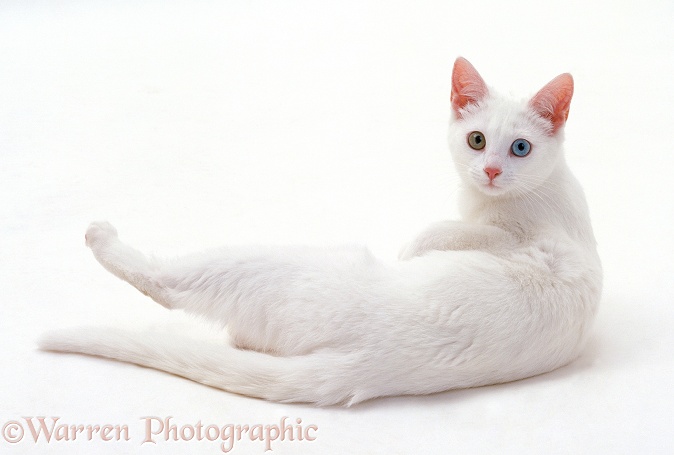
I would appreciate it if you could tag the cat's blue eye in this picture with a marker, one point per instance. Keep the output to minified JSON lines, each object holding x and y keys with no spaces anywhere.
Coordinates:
{"x":521,"y":147}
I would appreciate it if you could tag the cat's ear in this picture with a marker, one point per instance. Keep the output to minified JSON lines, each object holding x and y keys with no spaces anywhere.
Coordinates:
{"x":553,"y":101}
{"x":467,"y":86}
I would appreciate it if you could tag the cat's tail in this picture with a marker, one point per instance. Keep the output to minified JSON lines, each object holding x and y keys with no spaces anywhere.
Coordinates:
{"x":323,"y":378}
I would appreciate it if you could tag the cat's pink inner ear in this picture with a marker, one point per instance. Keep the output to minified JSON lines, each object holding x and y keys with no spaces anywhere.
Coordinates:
{"x":554,"y":100}
{"x":468,"y":87}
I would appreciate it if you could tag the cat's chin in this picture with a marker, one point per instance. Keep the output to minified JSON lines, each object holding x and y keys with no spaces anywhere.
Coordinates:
{"x":492,"y":190}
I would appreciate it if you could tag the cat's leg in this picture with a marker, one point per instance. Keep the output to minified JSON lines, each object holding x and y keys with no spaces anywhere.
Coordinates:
{"x":126,"y":262}
{"x":457,"y":235}
{"x":276,"y":299}
{"x":272,"y":299}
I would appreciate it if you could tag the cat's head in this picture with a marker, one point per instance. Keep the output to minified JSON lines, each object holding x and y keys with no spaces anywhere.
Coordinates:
{"x":503,"y":146}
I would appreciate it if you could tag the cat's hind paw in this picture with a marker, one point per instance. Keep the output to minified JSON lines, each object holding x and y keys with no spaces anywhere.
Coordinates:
{"x":99,"y":232}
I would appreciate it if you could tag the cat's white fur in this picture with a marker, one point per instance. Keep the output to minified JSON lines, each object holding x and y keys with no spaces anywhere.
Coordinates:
{"x":507,"y":293}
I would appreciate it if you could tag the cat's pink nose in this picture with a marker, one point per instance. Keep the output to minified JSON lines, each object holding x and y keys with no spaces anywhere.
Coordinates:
{"x":492,"y":172}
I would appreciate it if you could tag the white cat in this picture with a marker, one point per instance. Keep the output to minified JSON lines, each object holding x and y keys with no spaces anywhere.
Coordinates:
{"x":507,"y":293}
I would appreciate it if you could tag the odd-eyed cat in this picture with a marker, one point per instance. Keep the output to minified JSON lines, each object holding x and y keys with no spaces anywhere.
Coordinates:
{"x":507,"y":293}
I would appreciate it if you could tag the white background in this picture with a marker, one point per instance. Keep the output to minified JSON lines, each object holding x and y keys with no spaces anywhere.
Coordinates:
{"x":197,"y":124}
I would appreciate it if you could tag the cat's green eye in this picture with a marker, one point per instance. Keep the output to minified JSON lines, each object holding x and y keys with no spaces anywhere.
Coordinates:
{"x":476,"y":140}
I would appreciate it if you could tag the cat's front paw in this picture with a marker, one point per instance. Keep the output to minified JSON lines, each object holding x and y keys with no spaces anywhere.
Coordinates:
{"x":407,"y":252}
{"x":99,"y":233}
